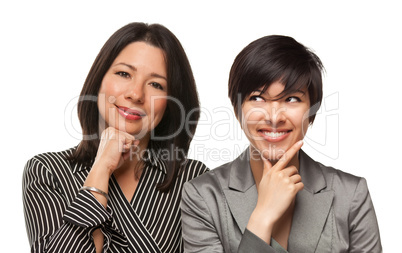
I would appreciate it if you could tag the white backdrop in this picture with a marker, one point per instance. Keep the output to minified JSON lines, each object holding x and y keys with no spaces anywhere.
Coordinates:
{"x":47,"y":48}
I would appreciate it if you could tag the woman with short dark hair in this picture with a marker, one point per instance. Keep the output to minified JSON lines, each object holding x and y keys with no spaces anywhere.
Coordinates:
{"x":274,"y":197}
{"x":119,"y":189}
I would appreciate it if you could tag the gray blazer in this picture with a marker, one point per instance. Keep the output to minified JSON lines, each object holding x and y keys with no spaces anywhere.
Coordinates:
{"x":333,"y":213}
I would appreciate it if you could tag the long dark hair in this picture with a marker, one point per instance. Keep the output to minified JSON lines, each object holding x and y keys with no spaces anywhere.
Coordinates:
{"x":181,"y":89}
{"x":276,"y":58}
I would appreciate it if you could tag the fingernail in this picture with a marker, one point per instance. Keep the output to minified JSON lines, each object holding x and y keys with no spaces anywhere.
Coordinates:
{"x":136,"y":142}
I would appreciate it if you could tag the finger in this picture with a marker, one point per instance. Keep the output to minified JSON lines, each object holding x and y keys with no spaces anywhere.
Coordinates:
{"x":126,"y":147}
{"x":130,"y":143}
{"x":295,"y":178}
{"x":267,"y":165}
{"x":128,"y":136}
{"x":290,"y":171}
{"x":126,"y":156}
{"x":285,"y":159}
{"x":124,"y":137}
{"x":123,"y":144}
{"x":299,"y":186}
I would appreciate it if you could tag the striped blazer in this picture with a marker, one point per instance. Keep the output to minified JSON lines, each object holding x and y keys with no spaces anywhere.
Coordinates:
{"x":60,"y":218}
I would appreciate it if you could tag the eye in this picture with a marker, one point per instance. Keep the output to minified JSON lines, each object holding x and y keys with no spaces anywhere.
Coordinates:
{"x":156,"y":85}
{"x":293,"y":99}
{"x":256,"y":98}
{"x":123,"y":74}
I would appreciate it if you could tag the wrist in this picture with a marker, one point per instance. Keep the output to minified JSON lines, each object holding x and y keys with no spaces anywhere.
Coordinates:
{"x":264,"y":216}
{"x":98,"y":177}
{"x":102,"y":168}
{"x":95,"y":190}
{"x":261,"y":224}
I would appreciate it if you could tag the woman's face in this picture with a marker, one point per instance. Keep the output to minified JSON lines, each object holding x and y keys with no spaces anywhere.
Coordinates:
{"x":272,"y":125}
{"x":133,"y":93}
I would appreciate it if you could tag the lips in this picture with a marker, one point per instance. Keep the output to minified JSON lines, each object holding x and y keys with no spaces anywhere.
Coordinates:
{"x":130,"y":114}
{"x":274,"y":135}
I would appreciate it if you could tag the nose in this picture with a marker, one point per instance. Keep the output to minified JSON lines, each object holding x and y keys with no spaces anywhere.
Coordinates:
{"x":135,"y":92}
{"x":276,"y":114}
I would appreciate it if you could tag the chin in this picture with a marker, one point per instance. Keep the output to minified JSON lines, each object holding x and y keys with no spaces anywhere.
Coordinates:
{"x":272,"y":152}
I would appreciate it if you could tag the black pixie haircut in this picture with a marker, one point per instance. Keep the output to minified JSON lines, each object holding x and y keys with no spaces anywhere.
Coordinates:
{"x":276,"y":58}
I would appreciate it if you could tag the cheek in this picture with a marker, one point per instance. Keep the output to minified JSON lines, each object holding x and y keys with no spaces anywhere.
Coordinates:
{"x":304,"y":121}
{"x":107,"y":96}
{"x":157,"y":111}
{"x":252,"y":116}
{"x":249,"y":121}
{"x":105,"y":85}
{"x":110,"y":89}
{"x":158,"y":108}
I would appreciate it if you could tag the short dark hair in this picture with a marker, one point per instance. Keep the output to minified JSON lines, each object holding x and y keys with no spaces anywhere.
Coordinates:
{"x":276,"y":58}
{"x":181,"y":87}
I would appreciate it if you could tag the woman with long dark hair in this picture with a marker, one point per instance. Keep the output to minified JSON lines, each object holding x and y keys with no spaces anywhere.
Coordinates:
{"x":119,"y":189}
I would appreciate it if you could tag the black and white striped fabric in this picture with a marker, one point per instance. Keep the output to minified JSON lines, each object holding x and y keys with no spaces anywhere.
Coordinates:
{"x":60,"y":218}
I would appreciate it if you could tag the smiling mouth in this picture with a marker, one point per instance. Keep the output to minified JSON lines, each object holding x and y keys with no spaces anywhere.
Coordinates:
{"x":275,"y":135}
{"x":130,"y":113}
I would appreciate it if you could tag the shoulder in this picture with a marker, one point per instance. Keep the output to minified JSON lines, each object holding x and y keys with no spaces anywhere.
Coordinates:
{"x":206,"y":188}
{"x":345,"y":186}
{"x":212,"y":180}
{"x":318,"y":175}
{"x":50,"y":160}
{"x":193,"y":168}
{"x":339,"y":179}
{"x":212,"y":175}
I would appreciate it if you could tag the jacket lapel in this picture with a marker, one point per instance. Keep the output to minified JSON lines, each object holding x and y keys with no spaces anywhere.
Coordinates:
{"x":312,"y":207}
{"x":241,"y":192}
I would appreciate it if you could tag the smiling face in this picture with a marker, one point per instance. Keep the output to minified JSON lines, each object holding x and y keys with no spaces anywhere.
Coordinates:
{"x":133,"y":93}
{"x":273,"y":124}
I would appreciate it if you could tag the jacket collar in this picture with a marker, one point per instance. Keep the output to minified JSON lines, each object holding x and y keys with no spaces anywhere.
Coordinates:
{"x":241,"y":176}
{"x":311,"y":174}
{"x":155,"y":160}
{"x":240,"y":191}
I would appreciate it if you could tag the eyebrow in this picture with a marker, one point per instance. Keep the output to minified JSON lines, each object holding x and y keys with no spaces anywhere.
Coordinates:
{"x":153,"y":74}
